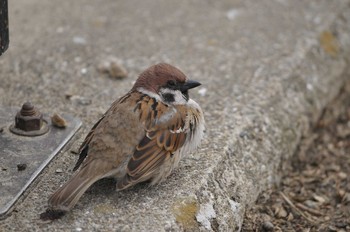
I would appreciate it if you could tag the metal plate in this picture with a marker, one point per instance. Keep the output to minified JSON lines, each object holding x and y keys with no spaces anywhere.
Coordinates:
{"x":31,"y":154}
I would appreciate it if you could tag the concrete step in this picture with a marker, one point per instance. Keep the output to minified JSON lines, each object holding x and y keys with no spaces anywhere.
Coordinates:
{"x":267,"y":68}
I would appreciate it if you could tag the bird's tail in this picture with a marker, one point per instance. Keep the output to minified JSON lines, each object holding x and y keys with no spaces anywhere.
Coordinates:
{"x":68,"y":195}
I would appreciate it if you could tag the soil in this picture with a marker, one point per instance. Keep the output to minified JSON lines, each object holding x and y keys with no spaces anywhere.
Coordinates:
{"x":314,"y":192}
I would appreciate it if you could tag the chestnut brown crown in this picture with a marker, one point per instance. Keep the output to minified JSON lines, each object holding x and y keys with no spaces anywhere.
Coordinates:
{"x":157,"y":76}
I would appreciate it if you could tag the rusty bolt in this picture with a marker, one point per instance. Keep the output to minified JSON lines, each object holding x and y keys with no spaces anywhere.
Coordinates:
{"x":29,"y":122}
{"x":28,"y":118}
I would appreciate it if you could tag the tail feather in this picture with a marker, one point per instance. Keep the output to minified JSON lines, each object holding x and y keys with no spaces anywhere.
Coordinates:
{"x":68,"y":195}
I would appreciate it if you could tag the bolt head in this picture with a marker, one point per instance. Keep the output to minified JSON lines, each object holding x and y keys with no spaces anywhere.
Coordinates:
{"x":28,"y":121}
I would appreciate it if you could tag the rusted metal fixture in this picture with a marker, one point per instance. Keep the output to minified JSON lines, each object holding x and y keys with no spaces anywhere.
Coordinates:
{"x":22,"y":158}
{"x":29,"y":122}
{"x":29,"y":118}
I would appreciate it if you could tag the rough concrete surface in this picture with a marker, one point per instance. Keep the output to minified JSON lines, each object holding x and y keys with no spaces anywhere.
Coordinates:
{"x":267,"y":68}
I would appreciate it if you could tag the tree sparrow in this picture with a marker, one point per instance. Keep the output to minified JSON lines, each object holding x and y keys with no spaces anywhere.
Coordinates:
{"x":142,"y":136}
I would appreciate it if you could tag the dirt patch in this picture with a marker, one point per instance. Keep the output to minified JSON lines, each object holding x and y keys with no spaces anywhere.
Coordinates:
{"x":314,"y":194}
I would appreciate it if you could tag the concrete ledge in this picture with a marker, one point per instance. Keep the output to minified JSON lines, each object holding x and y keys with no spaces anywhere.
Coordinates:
{"x":269,"y":68}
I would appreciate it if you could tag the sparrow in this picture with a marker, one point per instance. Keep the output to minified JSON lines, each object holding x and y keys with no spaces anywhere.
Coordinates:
{"x":141,"y":137}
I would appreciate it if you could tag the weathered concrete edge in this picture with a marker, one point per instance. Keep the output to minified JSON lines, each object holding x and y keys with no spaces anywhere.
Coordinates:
{"x":316,"y":81}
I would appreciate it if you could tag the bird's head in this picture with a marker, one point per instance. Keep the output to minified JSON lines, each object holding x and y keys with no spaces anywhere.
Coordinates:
{"x":165,"y":82}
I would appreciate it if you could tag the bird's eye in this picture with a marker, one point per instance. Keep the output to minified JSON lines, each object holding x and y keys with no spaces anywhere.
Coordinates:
{"x":171,"y":83}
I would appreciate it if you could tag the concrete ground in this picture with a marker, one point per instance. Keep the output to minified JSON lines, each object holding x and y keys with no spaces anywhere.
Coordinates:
{"x":267,"y":68}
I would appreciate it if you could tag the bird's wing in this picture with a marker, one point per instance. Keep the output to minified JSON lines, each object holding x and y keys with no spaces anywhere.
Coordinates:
{"x":166,"y":132}
{"x":84,"y":148}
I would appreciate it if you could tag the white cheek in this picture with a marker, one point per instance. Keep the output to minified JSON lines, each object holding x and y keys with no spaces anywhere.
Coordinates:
{"x":179,"y":98}
{"x":149,"y":93}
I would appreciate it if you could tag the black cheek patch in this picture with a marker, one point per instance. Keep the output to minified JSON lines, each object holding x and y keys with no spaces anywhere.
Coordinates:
{"x":168,"y":97}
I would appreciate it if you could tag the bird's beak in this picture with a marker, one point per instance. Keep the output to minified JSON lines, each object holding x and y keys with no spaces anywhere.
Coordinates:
{"x":190,"y":85}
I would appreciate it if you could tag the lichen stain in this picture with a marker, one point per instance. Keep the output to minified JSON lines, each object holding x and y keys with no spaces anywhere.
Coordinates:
{"x":103,"y":209}
{"x":185,"y":211}
{"x":329,"y":43}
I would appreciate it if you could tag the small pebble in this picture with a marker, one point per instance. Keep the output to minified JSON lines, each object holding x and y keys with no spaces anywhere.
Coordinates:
{"x":267,"y":226}
{"x":83,"y":71}
{"x":243,"y":134}
{"x":342,"y":175}
{"x":320,"y":199}
{"x":21,"y":167}
{"x":75,"y":151}
{"x":60,"y":30}
{"x":112,"y":67}
{"x":58,"y":121}
{"x":68,"y":95}
{"x":77,"y":59}
{"x":79,"y":40}
{"x":281,"y":212}
{"x":80,"y":100}
{"x":232,"y":14}
{"x":202,"y":91}
{"x":311,"y":204}
{"x":246,"y":135}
